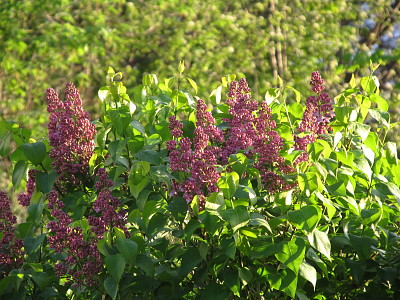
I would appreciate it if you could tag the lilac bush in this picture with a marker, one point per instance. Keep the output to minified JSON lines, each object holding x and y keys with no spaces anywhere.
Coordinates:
{"x":165,"y":199}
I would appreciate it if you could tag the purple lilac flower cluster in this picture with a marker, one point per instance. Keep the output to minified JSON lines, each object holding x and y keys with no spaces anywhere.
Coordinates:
{"x":11,"y":249}
{"x":83,"y":261}
{"x":107,"y":206}
{"x":24,"y":198}
{"x":251,"y":130}
{"x":71,"y":135}
{"x":318,"y":114}
{"x":200,"y":162}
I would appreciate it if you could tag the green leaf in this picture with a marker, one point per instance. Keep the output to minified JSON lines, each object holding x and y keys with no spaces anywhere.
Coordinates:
{"x":181,"y":66}
{"x":111,"y":287}
{"x":18,"y":173}
{"x":45,"y":182}
{"x":228,"y":246}
{"x":228,"y":184}
{"x":150,"y":156}
{"x":309,"y":182}
{"x":306,"y":218}
{"x":362,"y":164}
{"x":389,"y":188}
{"x":362,"y":244}
{"x":192,"y":83}
{"x":215,"y":95}
{"x":41,"y":279}
{"x":292,"y":254}
{"x":245,"y":275}
{"x":369,"y":154}
{"x":319,"y":240}
{"x":295,"y":110}
{"x":382,"y":103}
{"x":145,"y":263}
{"x":352,"y":81}
{"x":128,"y":249}
{"x":215,"y":202}
{"x":103,"y":93}
{"x":110,"y":72}
{"x":245,"y":192}
{"x":115,"y":265}
{"x":154,"y":140}
{"x":371,"y":215}
{"x":308,"y":272}
{"x":361,"y":129}
{"x":297,"y":93}
{"x":391,"y":152}
{"x":214,"y":291}
{"x":35,"y":152}
{"x":239,"y":162}
{"x":115,"y":149}
{"x":262,"y":248}
{"x":357,"y":269}
{"x":381,"y":116}
{"x":258,"y":220}
{"x":311,"y":255}
{"x":120,"y":120}
{"x":237,"y":217}
{"x":32,"y":244}
{"x":368,"y":84}
{"x":284,"y":280}
{"x":138,"y":177}
{"x":138,"y":126}
{"x":231,"y":280}
{"x":190,"y":259}
{"x":156,"y":224}
{"x":178,"y":208}
{"x":5,"y":143}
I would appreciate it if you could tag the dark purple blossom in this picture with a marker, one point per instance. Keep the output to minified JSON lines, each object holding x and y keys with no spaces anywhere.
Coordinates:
{"x":24,"y":198}
{"x":11,"y":249}
{"x":198,"y":159}
{"x":252,"y":131}
{"x":107,"y":208}
{"x":71,"y":135}
{"x":317,"y":116}
{"x":83,"y":260}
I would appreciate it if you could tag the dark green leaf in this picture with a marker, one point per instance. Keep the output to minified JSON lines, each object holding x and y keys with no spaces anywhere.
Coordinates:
{"x":237,"y":217}
{"x":145,"y":263}
{"x":308,"y":272}
{"x":319,"y":240}
{"x":34,"y":152}
{"x":115,"y":265}
{"x":18,"y":173}
{"x":306,"y":218}
{"x":45,"y":182}
{"x":292,"y":254}
{"x":111,"y":287}
{"x":128,"y":249}
{"x":41,"y":279}
{"x":228,"y":184}
{"x":190,"y":260}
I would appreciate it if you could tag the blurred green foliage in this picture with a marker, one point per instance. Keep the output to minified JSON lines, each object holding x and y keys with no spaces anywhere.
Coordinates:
{"x":48,"y":43}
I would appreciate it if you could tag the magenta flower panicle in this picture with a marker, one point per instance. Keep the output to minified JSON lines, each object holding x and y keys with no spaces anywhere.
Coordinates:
{"x":71,"y":135}
{"x":11,"y":248}
{"x":24,"y":198}
{"x":319,"y":112}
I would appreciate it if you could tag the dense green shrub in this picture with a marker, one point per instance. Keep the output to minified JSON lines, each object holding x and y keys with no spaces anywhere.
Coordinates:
{"x":43,"y":44}
{"x":161,"y":198}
